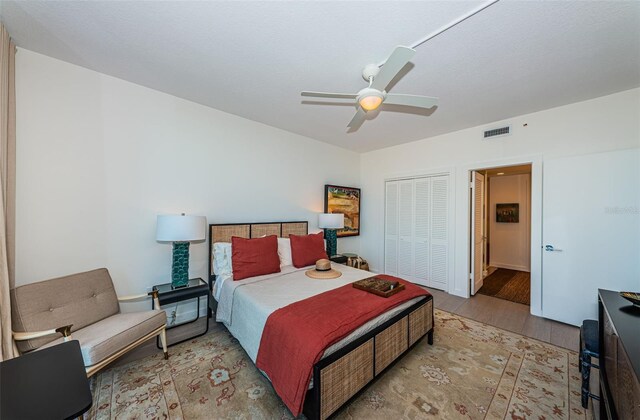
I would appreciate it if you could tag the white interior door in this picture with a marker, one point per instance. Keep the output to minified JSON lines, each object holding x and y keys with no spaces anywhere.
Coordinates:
{"x":439,"y":233}
{"x":405,"y":229}
{"x":477,"y":231}
{"x":391,"y":229}
{"x":417,"y":230}
{"x":421,"y":231}
{"x":590,"y":231}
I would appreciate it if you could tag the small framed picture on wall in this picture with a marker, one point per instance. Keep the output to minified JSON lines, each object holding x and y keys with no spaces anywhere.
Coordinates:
{"x":508,"y":213}
{"x":345,"y":200}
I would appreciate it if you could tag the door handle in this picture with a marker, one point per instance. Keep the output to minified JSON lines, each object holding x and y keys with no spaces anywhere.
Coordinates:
{"x":550,"y":248}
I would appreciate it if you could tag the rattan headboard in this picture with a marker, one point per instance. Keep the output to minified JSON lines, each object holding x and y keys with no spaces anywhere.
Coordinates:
{"x":223,"y":232}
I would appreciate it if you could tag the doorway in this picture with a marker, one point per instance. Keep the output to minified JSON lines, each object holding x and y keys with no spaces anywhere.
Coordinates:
{"x":500,"y":245}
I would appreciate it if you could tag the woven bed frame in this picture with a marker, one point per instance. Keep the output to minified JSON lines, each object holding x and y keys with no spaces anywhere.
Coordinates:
{"x":341,"y":376}
{"x":224,"y":232}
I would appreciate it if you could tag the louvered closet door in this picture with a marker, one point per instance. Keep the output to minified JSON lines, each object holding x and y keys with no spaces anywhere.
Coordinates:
{"x":391,"y":229}
{"x":422,"y":212}
{"x":439,"y":238}
{"x":405,"y":229}
{"x":417,"y":230}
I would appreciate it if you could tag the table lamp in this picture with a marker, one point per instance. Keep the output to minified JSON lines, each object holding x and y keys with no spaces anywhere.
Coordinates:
{"x":180,"y":230}
{"x":330,"y":222}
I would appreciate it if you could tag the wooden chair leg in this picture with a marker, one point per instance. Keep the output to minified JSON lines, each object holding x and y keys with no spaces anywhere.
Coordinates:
{"x":16,"y":352}
{"x":163,"y":340}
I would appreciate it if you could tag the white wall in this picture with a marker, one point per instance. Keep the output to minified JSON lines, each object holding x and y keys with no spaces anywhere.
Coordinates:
{"x":607,"y":123}
{"x":509,"y":243}
{"x":98,"y":158}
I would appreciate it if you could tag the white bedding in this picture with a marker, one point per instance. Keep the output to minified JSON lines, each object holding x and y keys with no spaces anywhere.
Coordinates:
{"x":245,"y":305}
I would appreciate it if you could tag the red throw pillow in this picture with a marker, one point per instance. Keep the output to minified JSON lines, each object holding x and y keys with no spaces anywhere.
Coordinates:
{"x":254,"y":257}
{"x":307,"y":249}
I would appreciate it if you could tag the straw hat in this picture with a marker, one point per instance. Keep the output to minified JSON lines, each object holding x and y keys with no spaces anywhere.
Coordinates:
{"x":323,"y":270}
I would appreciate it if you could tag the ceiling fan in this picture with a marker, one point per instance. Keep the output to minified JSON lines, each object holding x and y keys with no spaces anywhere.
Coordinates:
{"x":370,"y":98}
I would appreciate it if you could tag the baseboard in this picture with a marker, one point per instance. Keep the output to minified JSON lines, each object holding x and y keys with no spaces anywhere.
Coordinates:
{"x":510,"y":267}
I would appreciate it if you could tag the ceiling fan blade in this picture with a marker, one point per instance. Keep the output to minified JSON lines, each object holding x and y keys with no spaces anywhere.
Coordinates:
{"x":396,"y":61}
{"x":329,"y":95}
{"x":357,"y":119}
{"x":411,"y":100}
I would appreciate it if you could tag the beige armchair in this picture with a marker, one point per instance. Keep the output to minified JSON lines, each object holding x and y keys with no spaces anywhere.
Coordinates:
{"x":86,"y":306}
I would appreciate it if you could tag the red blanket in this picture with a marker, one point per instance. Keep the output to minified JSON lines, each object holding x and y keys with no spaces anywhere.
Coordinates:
{"x":295,"y":337}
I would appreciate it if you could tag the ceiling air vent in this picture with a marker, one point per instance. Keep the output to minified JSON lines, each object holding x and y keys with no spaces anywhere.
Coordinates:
{"x":497,"y":132}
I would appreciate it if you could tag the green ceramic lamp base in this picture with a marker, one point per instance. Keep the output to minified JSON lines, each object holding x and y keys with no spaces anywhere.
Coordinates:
{"x":332,"y":242}
{"x":180,"y":265}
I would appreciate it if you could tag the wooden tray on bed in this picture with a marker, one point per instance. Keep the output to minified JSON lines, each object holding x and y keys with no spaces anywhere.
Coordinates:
{"x":378,"y":286}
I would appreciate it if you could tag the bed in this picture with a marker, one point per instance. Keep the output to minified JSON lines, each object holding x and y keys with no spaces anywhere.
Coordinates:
{"x":348,"y":365}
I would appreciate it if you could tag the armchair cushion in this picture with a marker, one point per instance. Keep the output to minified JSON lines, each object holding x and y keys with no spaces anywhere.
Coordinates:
{"x":106,"y":337}
{"x":80,"y":299}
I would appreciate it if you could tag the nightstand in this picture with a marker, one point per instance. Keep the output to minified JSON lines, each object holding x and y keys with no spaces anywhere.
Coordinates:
{"x":352,"y":260}
{"x":195,"y":289}
{"x":340,"y":259}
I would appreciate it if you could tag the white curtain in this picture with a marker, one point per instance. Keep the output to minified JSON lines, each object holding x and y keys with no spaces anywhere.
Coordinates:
{"x":8,"y":192}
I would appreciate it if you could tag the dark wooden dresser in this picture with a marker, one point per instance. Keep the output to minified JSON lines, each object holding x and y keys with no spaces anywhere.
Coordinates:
{"x":619,"y":323}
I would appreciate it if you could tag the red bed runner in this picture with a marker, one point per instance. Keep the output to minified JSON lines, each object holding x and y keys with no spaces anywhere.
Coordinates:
{"x":295,"y":337}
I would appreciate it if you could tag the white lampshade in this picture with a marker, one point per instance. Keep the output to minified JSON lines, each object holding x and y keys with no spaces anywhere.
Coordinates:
{"x":181,"y":228}
{"x":331,"y":220}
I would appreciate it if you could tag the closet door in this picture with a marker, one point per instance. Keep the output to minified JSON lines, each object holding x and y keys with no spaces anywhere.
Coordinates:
{"x":439,"y":233}
{"x":422,"y":215}
{"x":391,"y":229}
{"x":405,"y":229}
{"x":417,"y":230}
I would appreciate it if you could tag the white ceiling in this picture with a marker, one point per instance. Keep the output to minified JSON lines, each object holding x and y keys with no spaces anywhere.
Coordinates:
{"x":252,"y":59}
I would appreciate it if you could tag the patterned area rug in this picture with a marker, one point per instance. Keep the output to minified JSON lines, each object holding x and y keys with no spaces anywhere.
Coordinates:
{"x":509,"y":285}
{"x":473,"y":371}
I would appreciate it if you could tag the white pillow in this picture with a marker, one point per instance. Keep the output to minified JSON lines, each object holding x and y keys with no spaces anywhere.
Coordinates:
{"x":222,"y":258}
{"x":284,"y":251}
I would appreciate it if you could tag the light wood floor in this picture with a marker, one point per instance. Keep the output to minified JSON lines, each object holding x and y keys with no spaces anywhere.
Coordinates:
{"x":509,"y":316}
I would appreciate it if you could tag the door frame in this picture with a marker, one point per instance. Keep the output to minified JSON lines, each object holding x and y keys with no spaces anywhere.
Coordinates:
{"x":463,"y":236}
{"x":451,"y":173}
{"x":473,"y":281}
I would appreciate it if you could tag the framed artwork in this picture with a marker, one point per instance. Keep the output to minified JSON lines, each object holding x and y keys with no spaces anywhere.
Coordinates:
{"x":345,"y":200}
{"x":508,"y":213}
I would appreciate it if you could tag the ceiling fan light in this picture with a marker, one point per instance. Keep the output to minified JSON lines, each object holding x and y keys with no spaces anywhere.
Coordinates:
{"x":370,"y":102}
